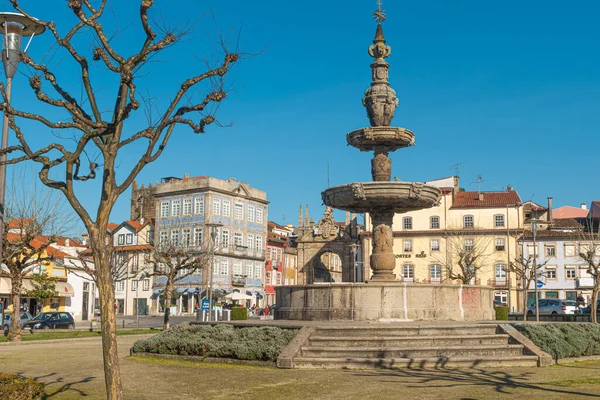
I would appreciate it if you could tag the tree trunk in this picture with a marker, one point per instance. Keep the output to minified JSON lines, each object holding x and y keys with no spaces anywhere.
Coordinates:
{"x":594,"y":307}
{"x":525,"y":287}
{"x":168,"y":296}
{"x":14,"y":334}
{"x":108,"y":323}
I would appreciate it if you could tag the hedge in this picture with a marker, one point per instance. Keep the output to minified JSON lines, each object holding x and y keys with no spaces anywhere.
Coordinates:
{"x":224,"y":341}
{"x":501,"y":313}
{"x":239,"y":313}
{"x":15,"y":387}
{"x":564,"y":340}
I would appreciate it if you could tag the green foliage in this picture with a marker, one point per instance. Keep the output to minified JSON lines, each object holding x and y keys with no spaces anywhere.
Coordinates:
{"x":224,"y":341}
{"x":564,"y":340}
{"x":15,"y":387}
{"x":44,"y":287}
{"x":239,"y":313}
{"x":501,"y":313}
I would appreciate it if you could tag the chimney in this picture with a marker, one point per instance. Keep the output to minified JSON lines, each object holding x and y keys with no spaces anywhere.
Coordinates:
{"x":480,"y":196}
{"x":583,"y":206}
{"x":347,"y":221}
{"x":142,"y":220}
{"x":549,"y":214}
{"x":67,"y":242}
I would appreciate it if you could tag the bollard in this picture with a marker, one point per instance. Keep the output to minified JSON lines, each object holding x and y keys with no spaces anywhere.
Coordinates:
{"x":123,"y":323}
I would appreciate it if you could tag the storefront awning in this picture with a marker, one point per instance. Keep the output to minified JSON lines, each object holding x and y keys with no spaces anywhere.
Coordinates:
{"x":64,"y":289}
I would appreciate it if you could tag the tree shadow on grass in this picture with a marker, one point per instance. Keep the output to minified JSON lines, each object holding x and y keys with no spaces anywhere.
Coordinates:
{"x":59,"y":385}
{"x":502,"y":382}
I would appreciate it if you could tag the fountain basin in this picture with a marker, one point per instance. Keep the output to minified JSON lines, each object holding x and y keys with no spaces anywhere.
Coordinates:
{"x":399,"y":197}
{"x":377,"y":137}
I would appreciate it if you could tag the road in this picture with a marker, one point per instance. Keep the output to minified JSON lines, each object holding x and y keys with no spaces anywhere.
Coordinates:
{"x":144,"y":321}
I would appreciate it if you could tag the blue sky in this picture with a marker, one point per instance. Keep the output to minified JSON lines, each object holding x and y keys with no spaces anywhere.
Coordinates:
{"x":511,"y":89}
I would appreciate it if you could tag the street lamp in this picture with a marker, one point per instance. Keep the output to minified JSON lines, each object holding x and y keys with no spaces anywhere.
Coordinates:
{"x":534,"y":225}
{"x":355,"y":247}
{"x":213,"y":244}
{"x":14,"y":26}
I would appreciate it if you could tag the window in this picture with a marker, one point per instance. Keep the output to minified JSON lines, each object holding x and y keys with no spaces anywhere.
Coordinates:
{"x":550,"y":272}
{"x":259,"y":243}
{"x":250,"y":213}
{"x":570,"y":250}
{"x":570,"y":295}
{"x":216,"y":206}
{"x":498,"y":221}
{"x":435,"y":245}
{"x":164,"y":209}
{"x":121,"y":239}
{"x":134,"y":285}
{"x":129,"y":238}
{"x":435,"y":272}
{"x":570,"y":271}
{"x":146,"y":285}
{"x":226,"y":208}
{"x":225,"y":267}
{"x":502,"y":297}
{"x":250,"y":270}
{"x":469,"y":244}
{"x":408,"y":272}
{"x":500,"y":272}
{"x":408,"y":245}
{"x":164,"y":237}
{"x":120,"y":286}
{"x":531,"y":249}
{"x":236,"y":268}
{"x":434,"y":222}
{"x":268,"y":277}
{"x":199,"y":205}
{"x":175,"y":208}
{"x":175,"y":238}
{"x":550,"y":250}
{"x":86,"y":286}
{"x":278,"y":281}
{"x":239,"y":211}
{"x":187,"y":206}
{"x":238,"y":239}
{"x":198,"y":236}
{"x":551,"y":295}
{"x":215,"y":267}
{"x":225,"y":238}
{"x":257,"y":271}
{"x":468,"y":221}
{"x":407,"y":223}
{"x":250,"y":241}
{"x":259,"y":215}
{"x":500,"y":246}
{"x":187,"y":237}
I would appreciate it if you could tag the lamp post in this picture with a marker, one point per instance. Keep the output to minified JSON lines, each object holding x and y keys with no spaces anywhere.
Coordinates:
{"x":534,"y":226}
{"x":14,"y":27}
{"x":213,"y":244}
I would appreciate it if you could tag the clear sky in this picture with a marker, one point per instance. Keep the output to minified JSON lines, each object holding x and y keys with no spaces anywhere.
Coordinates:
{"x":511,"y":89}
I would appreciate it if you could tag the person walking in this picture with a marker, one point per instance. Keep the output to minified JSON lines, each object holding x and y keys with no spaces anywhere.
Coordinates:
{"x":580,"y":303}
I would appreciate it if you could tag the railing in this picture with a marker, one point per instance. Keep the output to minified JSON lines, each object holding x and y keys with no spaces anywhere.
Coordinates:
{"x":498,"y":282}
{"x":241,"y":251}
{"x":432,"y":281}
{"x":238,"y":280}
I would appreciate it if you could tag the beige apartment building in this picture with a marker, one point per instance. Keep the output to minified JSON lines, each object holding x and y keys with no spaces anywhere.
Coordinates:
{"x":425,"y":241}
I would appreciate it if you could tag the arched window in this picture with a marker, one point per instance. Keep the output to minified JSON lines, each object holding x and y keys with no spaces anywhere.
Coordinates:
{"x":407,"y":223}
{"x":468,"y":221}
{"x":434,"y":222}
{"x":498,"y":221}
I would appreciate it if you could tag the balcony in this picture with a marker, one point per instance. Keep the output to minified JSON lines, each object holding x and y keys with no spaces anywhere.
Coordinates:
{"x":238,"y":280}
{"x":277,"y":264}
{"x":585,"y":282}
{"x":432,"y":281}
{"x":498,"y":282}
{"x":241,"y":251}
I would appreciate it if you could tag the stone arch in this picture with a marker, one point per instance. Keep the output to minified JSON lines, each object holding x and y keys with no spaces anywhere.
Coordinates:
{"x":328,"y":266}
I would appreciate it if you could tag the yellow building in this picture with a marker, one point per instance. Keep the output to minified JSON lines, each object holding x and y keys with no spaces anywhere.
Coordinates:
{"x":427,"y":242}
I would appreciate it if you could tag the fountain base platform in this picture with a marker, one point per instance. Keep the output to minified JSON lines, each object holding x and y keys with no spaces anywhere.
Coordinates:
{"x":391,"y":301}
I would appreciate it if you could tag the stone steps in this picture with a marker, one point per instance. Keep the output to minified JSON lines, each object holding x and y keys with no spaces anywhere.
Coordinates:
{"x":430,"y":362}
{"x":411,"y":330}
{"x":411,"y":352}
{"x":413,"y":341}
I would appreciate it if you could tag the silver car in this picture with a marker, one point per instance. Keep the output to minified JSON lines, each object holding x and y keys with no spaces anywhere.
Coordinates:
{"x":554,"y":306}
{"x":25,"y":316}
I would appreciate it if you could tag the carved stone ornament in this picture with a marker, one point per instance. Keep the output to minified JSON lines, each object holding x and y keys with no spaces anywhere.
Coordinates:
{"x":381,"y":167}
{"x":326,"y":227}
{"x":415,"y":190}
{"x":359,"y":191}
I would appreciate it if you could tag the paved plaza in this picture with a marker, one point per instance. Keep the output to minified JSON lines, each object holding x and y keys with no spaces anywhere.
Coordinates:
{"x":73,"y":369}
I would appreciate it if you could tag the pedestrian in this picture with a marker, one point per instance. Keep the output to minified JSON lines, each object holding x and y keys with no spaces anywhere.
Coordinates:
{"x":580,"y":303}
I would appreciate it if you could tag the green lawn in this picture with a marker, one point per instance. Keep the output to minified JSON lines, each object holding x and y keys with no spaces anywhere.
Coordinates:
{"x":26,"y":336}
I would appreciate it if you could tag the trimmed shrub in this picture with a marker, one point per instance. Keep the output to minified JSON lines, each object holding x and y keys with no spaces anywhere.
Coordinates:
{"x":239,"y":313}
{"x":225,"y":341}
{"x":15,"y":387}
{"x":501,"y":313}
{"x":564,"y":340}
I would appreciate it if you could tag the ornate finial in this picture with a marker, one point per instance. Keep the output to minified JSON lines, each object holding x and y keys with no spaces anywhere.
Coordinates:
{"x":379,"y":14}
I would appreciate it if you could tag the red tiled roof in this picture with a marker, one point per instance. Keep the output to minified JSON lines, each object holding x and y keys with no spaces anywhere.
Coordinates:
{"x":490,"y":199}
{"x":37,"y":242}
{"x":111,"y":227}
{"x":569,"y":212}
{"x":19,"y":223}
{"x":137,"y":247}
{"x":567,"y":223}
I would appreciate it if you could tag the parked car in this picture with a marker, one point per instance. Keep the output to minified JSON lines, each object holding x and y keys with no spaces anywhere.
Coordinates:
{"x":51,"y":320}
{"x":588,"y":309}
{"x":25,"y":316}
{"x":554,"y":306}
{"x":498,"y":303}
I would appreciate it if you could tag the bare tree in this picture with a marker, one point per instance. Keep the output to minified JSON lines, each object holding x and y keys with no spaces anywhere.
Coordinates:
{"x":97,"y":137}
{"x":526,"y":271}
{"x":175,"y":262}
{"x":463,"y":256}
{"x":589,"y":253}
{"x":36,"y":219}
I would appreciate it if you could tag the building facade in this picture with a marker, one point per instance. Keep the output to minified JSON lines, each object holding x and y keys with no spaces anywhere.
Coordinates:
{"x":193,"y":210}
{"x":426,"y":242}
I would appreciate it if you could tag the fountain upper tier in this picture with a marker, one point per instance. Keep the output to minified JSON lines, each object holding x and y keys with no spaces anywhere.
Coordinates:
{"x":386,"y":138}
{"x":399,"y":197}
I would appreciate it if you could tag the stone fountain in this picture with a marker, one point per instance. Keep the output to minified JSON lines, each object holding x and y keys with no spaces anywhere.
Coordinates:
{"x":383,"y":297}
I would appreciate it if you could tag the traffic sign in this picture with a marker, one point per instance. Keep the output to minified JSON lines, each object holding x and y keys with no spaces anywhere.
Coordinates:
{"x":540,"y":284}
{"x":205,"y":304}
{"x":197,"y":291}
